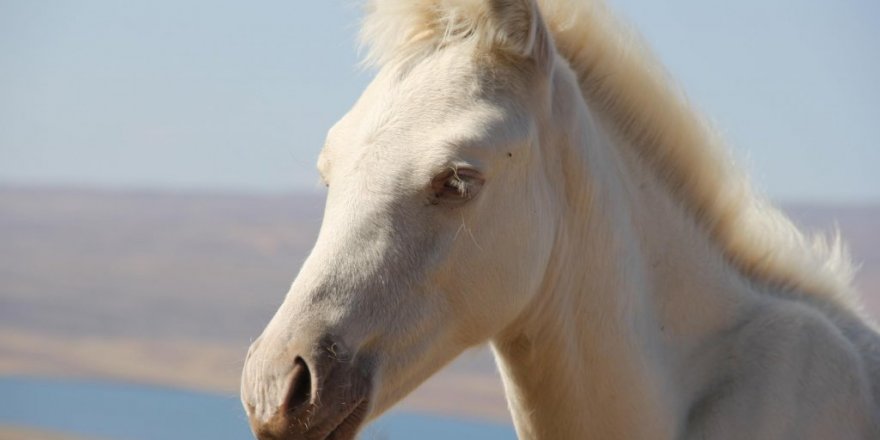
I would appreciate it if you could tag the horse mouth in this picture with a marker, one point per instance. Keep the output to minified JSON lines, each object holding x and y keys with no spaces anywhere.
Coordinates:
{"x":349,"y":425}
{"x":343,"y":426}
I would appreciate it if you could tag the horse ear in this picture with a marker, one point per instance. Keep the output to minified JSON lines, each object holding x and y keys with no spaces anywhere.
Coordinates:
{"x":521,"y":31}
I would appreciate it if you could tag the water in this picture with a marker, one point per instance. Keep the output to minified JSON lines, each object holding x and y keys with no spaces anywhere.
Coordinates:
{"x":118,"y":411}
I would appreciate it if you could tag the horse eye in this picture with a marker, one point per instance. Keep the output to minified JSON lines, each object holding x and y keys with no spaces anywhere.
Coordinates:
{"x":456,"y":185}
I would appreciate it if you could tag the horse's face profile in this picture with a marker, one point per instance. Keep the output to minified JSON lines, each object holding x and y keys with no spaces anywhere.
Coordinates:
{"x":437,"y":231}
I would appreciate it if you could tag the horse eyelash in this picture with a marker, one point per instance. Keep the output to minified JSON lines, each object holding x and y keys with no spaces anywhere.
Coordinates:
{"x":456,"y":182}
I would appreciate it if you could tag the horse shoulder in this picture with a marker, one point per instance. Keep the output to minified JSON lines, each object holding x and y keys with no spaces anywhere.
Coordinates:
{"x":789,"y":372}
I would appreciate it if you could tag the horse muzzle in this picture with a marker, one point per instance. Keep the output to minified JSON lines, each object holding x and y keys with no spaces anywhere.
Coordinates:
{"x":321,"y":393}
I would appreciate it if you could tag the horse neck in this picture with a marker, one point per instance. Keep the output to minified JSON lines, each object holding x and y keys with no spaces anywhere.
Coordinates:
{"x":633,"y":289}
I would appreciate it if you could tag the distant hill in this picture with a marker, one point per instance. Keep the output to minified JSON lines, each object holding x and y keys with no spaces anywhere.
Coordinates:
{"x":170,"y":288}
{"x":17,"y":433}
{"x":213,"y":267}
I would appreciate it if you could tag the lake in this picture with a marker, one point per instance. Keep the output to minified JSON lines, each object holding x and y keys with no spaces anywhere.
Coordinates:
{"x":118,"y":411}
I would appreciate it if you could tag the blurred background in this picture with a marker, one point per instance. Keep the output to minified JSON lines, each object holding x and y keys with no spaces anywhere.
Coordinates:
{"x":158,"y":190}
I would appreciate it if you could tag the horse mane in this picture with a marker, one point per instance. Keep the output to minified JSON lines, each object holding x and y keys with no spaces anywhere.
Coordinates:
{"x":621,"y":80}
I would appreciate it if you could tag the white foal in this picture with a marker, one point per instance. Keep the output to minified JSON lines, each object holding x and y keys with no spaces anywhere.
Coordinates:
{"x":521,"y":174}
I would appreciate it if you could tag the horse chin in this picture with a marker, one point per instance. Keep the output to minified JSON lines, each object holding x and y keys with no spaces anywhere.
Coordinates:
{"x":317,"y":423}
{"x":350,"y":424}
{"x":341,"y":422}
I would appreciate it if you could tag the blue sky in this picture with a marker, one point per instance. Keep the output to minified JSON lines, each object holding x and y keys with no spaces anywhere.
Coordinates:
{"x":229,"y":95}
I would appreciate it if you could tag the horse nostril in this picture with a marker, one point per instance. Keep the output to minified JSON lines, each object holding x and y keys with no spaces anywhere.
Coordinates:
{"x":300,"y":385}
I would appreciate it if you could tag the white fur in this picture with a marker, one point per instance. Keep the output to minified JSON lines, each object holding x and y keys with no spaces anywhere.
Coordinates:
{"x":631,"y":284}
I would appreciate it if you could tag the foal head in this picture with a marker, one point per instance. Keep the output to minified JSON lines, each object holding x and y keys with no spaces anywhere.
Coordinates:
{"x":439,"y":224}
